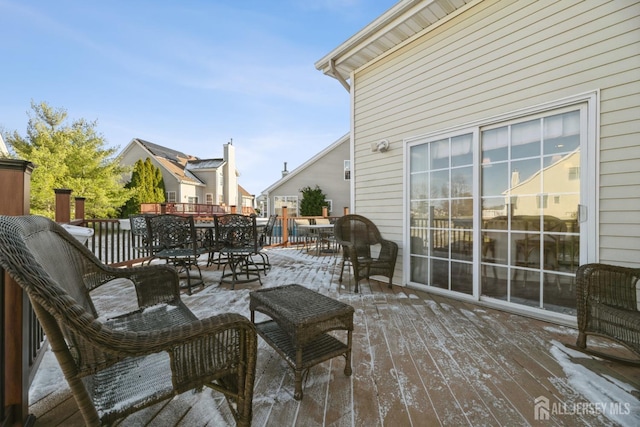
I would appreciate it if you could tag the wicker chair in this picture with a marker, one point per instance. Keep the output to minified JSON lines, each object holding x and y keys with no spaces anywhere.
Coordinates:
{"x":608,"y":306}
{"x":357,"y":234}
{"x":117,"y":366}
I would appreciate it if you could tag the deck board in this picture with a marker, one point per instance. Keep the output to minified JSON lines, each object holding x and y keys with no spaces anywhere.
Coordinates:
{"x":418,"y":359}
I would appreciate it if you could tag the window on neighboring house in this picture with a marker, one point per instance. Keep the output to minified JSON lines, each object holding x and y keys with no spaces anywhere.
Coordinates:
{"x":329,"y":206}
{"x":192,"y":201}
{"x":574,"y":173}
{"x":208,"y":198}
{"x":291,"y":202}
{"x":171,"y":196}
{"x":543,"y":201}
{"x":347,"y":170}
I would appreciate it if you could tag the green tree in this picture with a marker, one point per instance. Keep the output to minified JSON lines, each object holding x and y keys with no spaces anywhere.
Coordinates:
{"x":71,"y":156}
{"x":313,"y":200}
{"x":146,"y":185}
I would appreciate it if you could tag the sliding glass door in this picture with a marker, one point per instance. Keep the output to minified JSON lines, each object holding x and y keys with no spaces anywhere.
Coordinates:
{"x":493,"y":211}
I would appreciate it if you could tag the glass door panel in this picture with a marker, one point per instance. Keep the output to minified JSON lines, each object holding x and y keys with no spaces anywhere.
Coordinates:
{"x":530,"y":241}
{"x":441,"y":217}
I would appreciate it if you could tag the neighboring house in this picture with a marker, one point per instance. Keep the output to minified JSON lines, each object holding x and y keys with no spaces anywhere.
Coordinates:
{"x":329,"y":170}
{"x":500,"y":118}
{"x":247,"y":200}
{"x":3,"y":148}
{"x":188,"y":179}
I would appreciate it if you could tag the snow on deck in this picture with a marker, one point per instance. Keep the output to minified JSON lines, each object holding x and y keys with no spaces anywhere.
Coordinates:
{"x":418,"y":360}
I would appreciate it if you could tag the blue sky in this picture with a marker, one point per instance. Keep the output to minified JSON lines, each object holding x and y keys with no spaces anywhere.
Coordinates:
{"x":189,"y":75}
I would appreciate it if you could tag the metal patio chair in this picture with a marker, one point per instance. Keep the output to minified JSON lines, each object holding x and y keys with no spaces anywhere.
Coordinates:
{"x":176,"y":236}
{"x":238,"y":235}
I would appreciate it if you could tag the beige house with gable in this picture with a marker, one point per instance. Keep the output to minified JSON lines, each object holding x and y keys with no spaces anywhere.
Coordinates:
{"x":512,"y":131}
{"x":189,"y":179}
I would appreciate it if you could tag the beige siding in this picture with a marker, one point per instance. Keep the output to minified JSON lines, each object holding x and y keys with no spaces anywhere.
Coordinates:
{"x":495,"y":58}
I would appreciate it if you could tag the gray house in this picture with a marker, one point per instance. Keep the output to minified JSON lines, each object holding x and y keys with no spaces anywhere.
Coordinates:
{"x":511,"y":144}
{"x":330,"y":170}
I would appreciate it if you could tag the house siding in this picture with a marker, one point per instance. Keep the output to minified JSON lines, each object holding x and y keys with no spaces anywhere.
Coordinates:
{"x":498,"y":57}
{"x":327,"y":172}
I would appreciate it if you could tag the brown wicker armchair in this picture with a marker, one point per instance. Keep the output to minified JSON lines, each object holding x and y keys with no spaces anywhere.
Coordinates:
{"x":608,"y":306}
{"x":117,"y":366}
{"x":357,"y":234}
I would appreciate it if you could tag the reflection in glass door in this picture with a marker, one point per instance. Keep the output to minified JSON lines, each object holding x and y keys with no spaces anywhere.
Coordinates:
{"x":503,"y":223}
{"x":441,"y":193}
{"x":530,"y":176}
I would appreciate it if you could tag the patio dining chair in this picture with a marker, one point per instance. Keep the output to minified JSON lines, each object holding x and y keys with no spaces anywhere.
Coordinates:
{"x":267,"y":231}
{"x":326,"y":239}
{"x":305,"y":234}
{"x":357,"y":235}
{"x":238,"y":235}
{"x":209,"y":242}
{"x":117,"y":366}
{"x":264,"y":240}
{"x":140,"y":234}
{"x":177,"y":239}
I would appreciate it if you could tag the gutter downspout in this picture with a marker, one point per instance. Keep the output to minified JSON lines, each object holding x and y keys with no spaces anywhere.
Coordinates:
{"x":338,"y":76}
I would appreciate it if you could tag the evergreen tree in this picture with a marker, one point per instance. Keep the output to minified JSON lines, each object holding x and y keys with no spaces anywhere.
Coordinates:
{"x":313,"y":200}
{"x":146,"y":185}
{"x":71,"y":156}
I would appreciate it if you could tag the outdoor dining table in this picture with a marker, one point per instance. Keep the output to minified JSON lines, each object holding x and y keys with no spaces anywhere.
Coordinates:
{"x":323,"y":231}
{"x":209,"y":233}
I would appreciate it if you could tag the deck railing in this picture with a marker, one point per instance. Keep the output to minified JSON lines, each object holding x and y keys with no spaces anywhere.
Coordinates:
{"x":114,"y":244}
{"x":197,"y":209}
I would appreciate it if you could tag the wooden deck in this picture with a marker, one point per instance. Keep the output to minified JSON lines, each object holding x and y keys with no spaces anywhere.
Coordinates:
{"x":418,"y":360}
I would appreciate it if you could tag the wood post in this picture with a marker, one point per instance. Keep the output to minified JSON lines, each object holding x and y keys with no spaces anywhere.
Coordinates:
{"x":234,"y":209}
{"x":345,"y":210}
{"x":80,"y":207}
{"x":63,"y":205}
{"x":15,"y":191}
{"x":285,"y":227}
{"x":325,"y":211}
{"x":15,"y":186}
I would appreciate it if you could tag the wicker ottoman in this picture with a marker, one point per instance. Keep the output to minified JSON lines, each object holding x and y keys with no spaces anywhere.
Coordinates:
{"x":300,"y":320}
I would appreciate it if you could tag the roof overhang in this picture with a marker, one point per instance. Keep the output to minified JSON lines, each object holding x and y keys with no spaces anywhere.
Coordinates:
{"x":392,"y":29}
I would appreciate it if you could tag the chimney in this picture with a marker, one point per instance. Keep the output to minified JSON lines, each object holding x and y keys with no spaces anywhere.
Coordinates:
{"x":285,"y":172}
{"x":230,"y":190}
